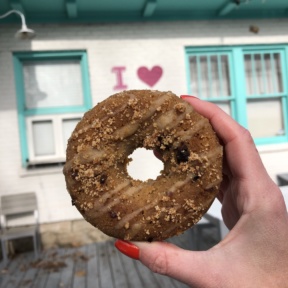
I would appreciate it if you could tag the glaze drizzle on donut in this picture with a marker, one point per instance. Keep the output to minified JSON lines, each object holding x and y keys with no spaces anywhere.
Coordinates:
{"x":98,"y":154}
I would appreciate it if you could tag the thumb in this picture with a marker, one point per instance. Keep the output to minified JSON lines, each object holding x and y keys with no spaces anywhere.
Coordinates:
{"x":167,"y":259}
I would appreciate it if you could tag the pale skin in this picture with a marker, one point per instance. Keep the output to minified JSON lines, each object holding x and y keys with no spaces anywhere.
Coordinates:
{"x":255,"y":251}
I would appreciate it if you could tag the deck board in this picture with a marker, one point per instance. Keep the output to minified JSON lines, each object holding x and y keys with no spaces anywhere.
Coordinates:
{"x":93,"y":267}
{"x":14,"y":271}
{"x":105,"y":273}
{"x":66,"y":277}
{"x":29,"y":276}
{"x":42,"y":275}
{"x":118,"y":271}
{"x":133,"y":279}
{"x":147,"y":277}
{"x":80,"y":268}
{"x":53,"y":278}
{"x":97,"y":265}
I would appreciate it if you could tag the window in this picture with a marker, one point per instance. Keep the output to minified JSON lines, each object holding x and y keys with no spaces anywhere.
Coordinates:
{"x":211,"y":79}
{"x":52,"y":92}
{"x":247,"y":82}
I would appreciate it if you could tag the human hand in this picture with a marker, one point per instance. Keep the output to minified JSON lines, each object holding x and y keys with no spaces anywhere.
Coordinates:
{"x":255,"y":252}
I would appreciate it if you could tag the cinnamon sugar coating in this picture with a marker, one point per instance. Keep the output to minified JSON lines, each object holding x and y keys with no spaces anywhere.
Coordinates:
{"x":98,"y":154}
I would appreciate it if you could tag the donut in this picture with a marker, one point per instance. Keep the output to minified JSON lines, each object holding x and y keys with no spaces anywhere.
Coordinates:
{"x":129,"y":209}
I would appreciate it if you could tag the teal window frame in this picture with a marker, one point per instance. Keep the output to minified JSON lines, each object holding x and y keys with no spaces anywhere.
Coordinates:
{"x":239,"y":96}
{"x":18,"y":59}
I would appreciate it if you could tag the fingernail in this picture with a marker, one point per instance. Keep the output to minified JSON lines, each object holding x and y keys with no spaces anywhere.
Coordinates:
{"x":128,"y":249}
{"x":188,"y":96}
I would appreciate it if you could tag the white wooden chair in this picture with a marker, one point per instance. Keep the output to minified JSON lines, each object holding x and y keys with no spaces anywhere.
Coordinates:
{"x":19,"y":219}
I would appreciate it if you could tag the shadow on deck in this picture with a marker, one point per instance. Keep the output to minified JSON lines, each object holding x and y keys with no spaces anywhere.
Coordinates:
{"x":97,"y":265}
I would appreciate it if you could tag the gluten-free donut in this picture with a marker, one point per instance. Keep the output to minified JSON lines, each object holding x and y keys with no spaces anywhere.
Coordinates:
{"x":98,"y":154}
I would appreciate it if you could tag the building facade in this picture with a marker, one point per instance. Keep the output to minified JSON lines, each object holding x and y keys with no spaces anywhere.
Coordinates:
{"x":46,"y":84}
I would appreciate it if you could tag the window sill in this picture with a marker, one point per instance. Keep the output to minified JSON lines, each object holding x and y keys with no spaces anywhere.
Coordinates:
{"x":281,"y":147}
{"x":40,"y":171}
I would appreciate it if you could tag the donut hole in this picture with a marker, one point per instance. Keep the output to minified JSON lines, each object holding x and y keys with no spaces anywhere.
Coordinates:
{"x":144,"y":165}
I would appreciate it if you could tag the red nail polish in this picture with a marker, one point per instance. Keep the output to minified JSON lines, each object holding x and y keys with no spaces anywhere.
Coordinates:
{"x":188,"y":96}
{"x":128,"y":249}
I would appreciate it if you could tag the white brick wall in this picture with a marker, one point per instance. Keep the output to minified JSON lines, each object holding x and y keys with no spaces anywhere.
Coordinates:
{"x":129,"y":45}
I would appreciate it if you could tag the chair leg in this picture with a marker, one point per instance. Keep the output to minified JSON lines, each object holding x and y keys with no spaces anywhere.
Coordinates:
{"x":4,"y":252}
{"x":35,"y":246}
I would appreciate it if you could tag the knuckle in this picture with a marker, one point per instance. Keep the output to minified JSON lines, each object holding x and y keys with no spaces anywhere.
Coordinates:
{"x":159,"y":264}
{"x":245,"y":133}
{"x":276,"y":202}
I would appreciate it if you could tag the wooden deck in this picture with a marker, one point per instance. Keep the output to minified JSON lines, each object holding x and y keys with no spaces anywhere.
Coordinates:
{"x":97,"y":265}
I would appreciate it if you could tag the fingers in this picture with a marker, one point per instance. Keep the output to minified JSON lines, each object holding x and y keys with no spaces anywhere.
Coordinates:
{"x":240,"y":151}
{"x":167,"y":259}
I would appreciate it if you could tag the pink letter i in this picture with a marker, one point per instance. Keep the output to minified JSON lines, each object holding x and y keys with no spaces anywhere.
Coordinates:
{"x":118,"y":71}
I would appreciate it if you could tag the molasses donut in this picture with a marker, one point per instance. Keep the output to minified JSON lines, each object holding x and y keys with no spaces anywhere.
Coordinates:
{"x":98,"y":154}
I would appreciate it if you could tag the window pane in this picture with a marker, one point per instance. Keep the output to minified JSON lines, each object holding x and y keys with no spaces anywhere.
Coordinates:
{"x":194,"y":82}
{"x":225,"y":107}
{"x":225,"y":81}
{"x":215,"y":78}
{"x":263,"y":73}
{"x":52,"y":84}
{"x":210,"y":76}
{"x":265,"y":118}
{"x":259,"y":75}
{"x":68,"y":127}
{"x":204,"y":77}
{"x":43,"y":138}
{"x":278,"y":72}
{"x":248,"y":74}
{"x":269,"y":74}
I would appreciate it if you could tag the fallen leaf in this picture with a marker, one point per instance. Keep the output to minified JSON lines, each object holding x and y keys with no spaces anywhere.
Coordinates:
{"x":80,"y":273}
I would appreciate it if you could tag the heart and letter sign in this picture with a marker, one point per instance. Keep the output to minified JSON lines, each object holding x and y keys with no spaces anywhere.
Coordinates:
{"x":149,"y":76}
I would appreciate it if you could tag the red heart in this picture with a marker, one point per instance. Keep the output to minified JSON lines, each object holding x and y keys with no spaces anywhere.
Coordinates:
{"x":150,"y":77}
